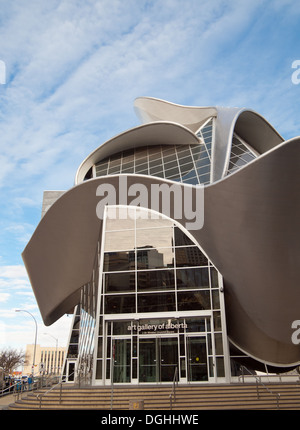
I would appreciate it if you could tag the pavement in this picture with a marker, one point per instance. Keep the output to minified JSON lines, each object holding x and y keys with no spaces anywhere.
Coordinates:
{"x":6,"y":400}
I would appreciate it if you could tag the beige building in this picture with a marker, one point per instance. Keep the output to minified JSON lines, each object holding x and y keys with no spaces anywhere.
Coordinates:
{"x":47,"y":359}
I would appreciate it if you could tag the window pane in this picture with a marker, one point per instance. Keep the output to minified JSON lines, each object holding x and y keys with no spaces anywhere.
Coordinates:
{"x":217,"y":320}
{"x":190,"y":256}
{"x":121,"y":327}
{"x":120,"y":219}
{"x":195,"y":325}
{"x":220,"y":367}
{"x":120,"y":304}
{"x":214,"y":278}
{"x":193,"y":300}
{"x":115,"y":241}
{"x":215,"y":299}
{"x":162,"y":302}
{"x":119,"y":282}
{"x":155,"y":280}
{"x":127,"y":165}
{"x":155,"y":258}
{"x":219,"y":343}
{"x":181,"y":238}
{"x":154,"y":170}
{"x":99,"y":369}
{"x":192,"y":181}
{"x":192,"y":278}
{"x":172,"y":172}
{"x":119,"y":261}
{"x":147,"y":219}
{"x":154,"y":238}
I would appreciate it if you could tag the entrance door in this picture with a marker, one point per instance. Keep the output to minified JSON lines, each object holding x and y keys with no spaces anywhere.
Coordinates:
{"x":197,"y":358}
{"x":70,"y":375}
{"x":158,"y":359}
{"x":168,"y":358}
{"x":121,"y":368}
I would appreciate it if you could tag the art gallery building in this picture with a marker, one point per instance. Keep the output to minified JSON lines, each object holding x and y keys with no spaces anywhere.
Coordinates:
{"x":177,"y":250}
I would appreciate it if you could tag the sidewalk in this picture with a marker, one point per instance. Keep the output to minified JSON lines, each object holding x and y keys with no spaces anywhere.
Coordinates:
{"x":6,"y":400}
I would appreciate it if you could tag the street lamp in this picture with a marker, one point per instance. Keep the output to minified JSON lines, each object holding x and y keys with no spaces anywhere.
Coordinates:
{"x":34,"y":351}
{"x":56,"y":357}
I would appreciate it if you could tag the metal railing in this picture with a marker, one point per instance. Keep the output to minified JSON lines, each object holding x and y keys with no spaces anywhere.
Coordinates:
{"x":173,"y":392}
{"x":258,"y":381}
{"x":40,"y":396}
{"x":19,"y":388}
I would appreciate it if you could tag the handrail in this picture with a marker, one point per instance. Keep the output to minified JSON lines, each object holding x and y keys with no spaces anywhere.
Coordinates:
{"x":41,"y":395}
{"x":13,"y":389}
{"x":19,"y":388}
{"x":259,"y":381}
{"x":175,"y":384}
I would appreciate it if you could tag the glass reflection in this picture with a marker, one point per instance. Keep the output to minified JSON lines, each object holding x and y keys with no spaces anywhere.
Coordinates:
{"x":214,"y":278}
{"x":174,"y":162}
{"x":155,"y":258}
{"x":119,"y":261}
{"x":181,"y":239}
{"x":121,"y":327}
{"x":195,"y":324}
{"x":119,"y":218}
{"x":163,"y":302}
{"x":151,"y":252}
{"x":115,"y":241}
{"x":193,"y":300}
{"x":120,"y":304}
{"x":190,"y":256}
{"x":192,"y":278}
{"x":154,"y":238}
{"x":119,"y":282}
{"x":147,"y":219}
{"x":155,"y":280}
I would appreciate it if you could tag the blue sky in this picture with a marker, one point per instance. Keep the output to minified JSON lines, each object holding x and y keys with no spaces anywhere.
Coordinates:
{"x":73,"y":70}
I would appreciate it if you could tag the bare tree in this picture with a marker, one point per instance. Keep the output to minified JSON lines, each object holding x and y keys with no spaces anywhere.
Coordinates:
{"x":10,"y":359}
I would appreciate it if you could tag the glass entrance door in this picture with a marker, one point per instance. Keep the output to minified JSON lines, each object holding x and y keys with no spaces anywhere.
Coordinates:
{"x":197,"y":358}
{"x":158,"y":359}
{"x":121,"y":360}
{"x":168,"y":358}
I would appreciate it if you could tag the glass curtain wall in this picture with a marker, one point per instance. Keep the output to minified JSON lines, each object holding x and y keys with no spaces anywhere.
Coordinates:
{"x":181,"y":163}
{"x":159,"y":306}
{"x":81,"y":344}
{"x":241,"y":154}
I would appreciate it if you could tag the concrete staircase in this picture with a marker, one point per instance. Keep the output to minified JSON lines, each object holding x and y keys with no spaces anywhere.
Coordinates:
{"x":201,"y":397}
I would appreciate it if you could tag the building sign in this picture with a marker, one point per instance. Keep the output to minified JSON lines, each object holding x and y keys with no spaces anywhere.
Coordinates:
{"x":154,"y":328}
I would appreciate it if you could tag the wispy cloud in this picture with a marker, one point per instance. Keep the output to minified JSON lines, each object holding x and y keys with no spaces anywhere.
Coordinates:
{"x":74,"y":68}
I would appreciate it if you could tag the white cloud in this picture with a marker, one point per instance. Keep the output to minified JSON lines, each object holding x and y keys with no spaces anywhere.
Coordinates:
{"x":4,"y":297}
{"x":74,"y":68}
{"x":13,"y":272}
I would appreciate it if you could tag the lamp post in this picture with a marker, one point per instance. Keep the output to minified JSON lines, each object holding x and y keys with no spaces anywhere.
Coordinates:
{"x":56,"y":356}
{"x":34,"y":351}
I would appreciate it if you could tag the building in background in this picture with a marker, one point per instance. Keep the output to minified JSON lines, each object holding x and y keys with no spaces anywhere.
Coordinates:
{"x":177,"y":250}
{"x":48,"y":360}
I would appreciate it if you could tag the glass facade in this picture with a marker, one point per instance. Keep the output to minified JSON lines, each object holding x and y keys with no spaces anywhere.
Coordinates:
{"x":79,"y":357}
{"x":181,"y":163}
{"x":241,"y":154}
{"x":159,"y":304}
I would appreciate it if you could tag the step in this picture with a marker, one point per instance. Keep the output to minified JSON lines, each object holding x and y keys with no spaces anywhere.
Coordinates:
{"x":242,"y":396}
